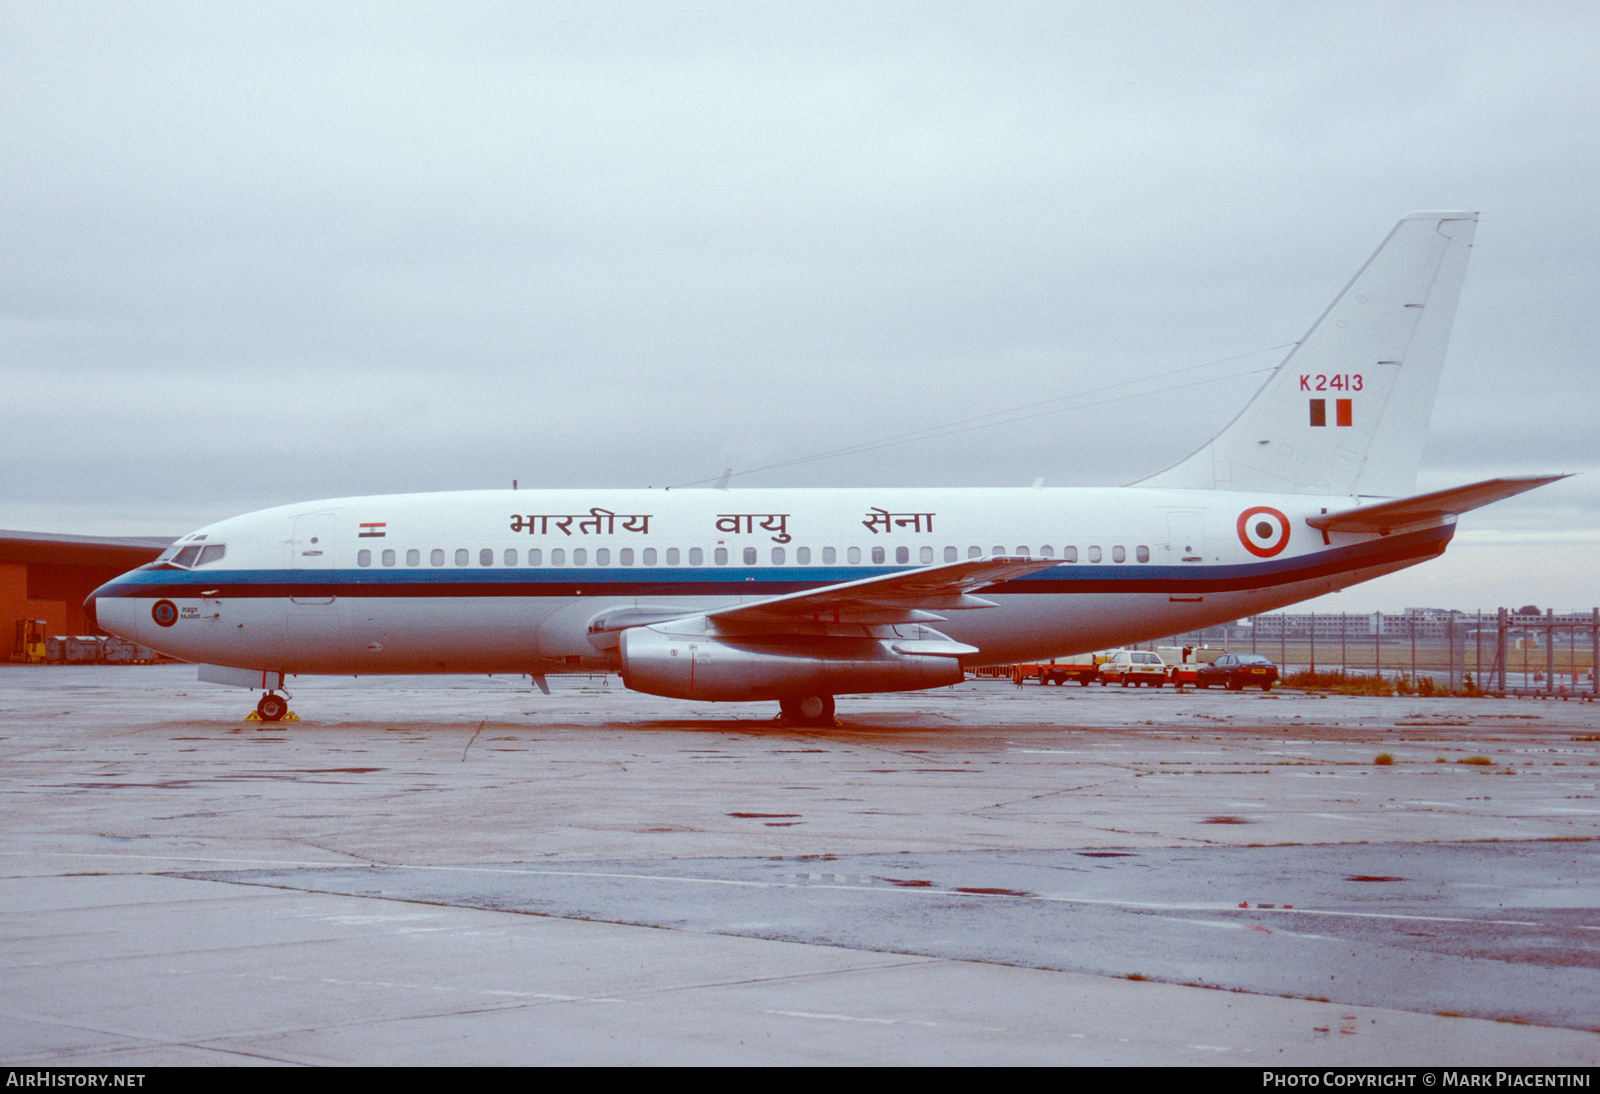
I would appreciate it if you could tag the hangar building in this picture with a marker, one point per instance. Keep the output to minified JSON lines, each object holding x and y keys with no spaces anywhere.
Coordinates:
{"x":45,"y":576}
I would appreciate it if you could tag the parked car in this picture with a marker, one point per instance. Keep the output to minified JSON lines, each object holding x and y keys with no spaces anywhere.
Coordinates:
{"x":1238,"y":670}
{"x":1140,"y":667}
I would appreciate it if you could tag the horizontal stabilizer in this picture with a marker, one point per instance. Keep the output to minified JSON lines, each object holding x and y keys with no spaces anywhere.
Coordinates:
{"x":1386,"y":516}
{"x":901,"y":596}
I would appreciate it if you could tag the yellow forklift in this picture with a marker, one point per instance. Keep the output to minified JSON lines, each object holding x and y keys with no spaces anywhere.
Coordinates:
{"x":29,"y":645}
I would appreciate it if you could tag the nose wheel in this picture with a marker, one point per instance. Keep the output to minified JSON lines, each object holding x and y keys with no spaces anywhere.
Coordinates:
{"x":272,"y":707}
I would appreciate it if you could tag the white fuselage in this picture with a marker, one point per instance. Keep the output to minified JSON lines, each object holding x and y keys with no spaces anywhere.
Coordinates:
{"x":510,"y":581}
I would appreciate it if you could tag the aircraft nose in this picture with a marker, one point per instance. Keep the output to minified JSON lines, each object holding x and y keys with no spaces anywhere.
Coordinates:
{"x":88,"y":611}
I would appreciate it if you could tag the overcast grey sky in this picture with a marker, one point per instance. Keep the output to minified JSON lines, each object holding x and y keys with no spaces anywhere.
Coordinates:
{"x":262,"y":253}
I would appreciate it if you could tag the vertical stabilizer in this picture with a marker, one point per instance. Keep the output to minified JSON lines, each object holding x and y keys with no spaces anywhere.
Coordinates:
{"x":1347,"y":411}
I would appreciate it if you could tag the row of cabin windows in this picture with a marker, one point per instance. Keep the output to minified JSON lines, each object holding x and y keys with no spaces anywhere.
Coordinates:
{"x":751,"y":556}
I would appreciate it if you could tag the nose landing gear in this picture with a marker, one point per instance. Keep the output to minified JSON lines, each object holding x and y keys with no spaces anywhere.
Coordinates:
{"x":272,"y":707}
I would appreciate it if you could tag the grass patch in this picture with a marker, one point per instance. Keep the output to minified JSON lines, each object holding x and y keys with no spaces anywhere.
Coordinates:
{"x":1340,"y":683}
{"x":1354,"y":683}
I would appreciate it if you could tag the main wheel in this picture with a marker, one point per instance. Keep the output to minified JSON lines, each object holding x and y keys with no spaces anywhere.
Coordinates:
{"x":272,"y":707}
{"x":808,"y":710}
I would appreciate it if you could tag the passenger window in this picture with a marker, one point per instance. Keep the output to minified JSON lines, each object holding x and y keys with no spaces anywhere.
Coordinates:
{"x":388,"y":558}
{"x":672,"y":556}
{"x":852,"y":555}
{"x":951,"y":554}
{"x":721,"y":556}
{"x":903,"y":554}
{"x":697,"y":557}
{"x":436,"y":557}
{"x":462,"y":556}
{"x":580,"y":556}
{"x":998,"y":552}
{"x":750,"y":557}
{"x":1118,"y":554}
{"x":877,"y":556}
{"x":486,"y":556}
{"x":926,"y":554}
{"x":1142,"y":553}
{"x":802,"y":556}
{"x":558,"y":556}
{"x":1069,"y":554}
{"x":974,"y":552}
{"x":777,"y":556}
{"x":829,"y":556}
{"x":625,"y":556}
{"x":535,"y":557}
{"x":511,"y":556}
{"x":1094,"y":554}
{"x":1023,"y":552}
{"x":363,"y":557}
{"x":602,"y":556}
{"x":413,"y":557}
{"x":1047,"y":552}
{"x":649,"y":558}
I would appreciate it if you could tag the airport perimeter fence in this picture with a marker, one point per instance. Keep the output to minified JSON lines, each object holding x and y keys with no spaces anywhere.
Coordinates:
{"x":1506,"y":652}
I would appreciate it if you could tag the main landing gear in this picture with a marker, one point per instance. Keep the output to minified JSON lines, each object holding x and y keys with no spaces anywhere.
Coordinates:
{"x":807,"y":710}
{"x":272,"y":707}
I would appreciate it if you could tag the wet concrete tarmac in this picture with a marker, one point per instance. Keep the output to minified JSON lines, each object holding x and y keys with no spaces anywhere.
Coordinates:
{"x":459,"y":870}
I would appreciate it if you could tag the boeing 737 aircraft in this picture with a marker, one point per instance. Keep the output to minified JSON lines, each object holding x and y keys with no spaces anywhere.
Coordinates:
{"x":801,"y":595}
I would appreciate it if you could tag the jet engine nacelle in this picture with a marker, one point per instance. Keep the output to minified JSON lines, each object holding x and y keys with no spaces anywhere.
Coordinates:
{"x":735,"y":668}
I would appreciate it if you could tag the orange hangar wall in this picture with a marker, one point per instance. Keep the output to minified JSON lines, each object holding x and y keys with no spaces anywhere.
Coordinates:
{"x":46,"y":576}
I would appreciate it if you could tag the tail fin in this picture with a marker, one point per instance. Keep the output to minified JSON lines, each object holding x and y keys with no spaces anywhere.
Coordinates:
{"x":1347,"y":411}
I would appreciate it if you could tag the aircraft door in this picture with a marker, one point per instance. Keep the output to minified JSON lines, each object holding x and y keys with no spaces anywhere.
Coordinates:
{"x":314,"y":613}
{"x":312,"y":545}
{"x":1186,"y":537}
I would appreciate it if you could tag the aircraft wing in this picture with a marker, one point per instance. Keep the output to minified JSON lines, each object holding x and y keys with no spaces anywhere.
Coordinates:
{"x":907,"y":596}
{"x":1386,"y":516}
{"x":122,"y":552}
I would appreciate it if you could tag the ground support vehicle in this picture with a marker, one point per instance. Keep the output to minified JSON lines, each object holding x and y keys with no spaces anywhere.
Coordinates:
{"x":1080,"y":668}
{"x":1184,"y":662}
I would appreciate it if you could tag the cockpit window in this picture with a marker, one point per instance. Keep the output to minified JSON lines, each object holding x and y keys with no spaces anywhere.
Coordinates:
{"x":195,"y":554}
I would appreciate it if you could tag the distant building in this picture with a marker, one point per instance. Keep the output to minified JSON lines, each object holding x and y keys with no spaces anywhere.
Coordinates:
{"x":44,"y":576}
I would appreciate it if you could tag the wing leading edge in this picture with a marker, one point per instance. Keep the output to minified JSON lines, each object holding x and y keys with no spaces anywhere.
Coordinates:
{"x":908,"y":596}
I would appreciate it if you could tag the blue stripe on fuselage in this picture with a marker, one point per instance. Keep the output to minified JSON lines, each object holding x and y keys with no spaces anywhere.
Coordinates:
{"x":1065,"y":578}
